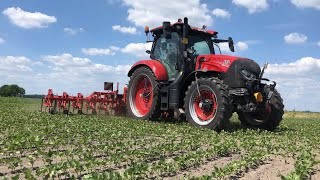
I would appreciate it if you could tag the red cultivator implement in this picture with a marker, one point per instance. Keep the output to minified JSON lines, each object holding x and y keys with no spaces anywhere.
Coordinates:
{"x":109,"y":102}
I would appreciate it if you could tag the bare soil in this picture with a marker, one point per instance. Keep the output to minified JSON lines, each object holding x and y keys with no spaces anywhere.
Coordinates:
{"x":272,"y":168}
{"x":316,"y":173}
{"x":207,"y":167}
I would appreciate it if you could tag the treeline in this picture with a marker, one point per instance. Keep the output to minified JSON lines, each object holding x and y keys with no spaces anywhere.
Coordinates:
{"x":34,"y":96}
{"x":12,"y":90}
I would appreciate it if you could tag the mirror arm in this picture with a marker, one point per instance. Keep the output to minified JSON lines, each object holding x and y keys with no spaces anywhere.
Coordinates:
{"x":219,"y":40}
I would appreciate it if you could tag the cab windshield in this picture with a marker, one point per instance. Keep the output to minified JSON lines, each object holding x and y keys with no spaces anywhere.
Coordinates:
{"x":200,"y":44}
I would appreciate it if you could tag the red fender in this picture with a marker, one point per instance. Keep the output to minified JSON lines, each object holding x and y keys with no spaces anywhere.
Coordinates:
{"x":157,"y":68}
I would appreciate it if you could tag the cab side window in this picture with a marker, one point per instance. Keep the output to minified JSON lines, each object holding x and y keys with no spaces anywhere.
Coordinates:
{"x":167,"y":51}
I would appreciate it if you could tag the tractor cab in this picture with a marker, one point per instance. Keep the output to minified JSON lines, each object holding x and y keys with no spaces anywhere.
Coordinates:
{"x":169,"y":44}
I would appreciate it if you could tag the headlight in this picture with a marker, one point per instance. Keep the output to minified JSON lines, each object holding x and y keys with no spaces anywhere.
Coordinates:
{"x":248,"y":75}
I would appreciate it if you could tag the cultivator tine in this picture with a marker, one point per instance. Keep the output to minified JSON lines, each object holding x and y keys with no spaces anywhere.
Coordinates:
{"x":41,"y":104}
{"x":54,"y":110}
{"x":94,"y":112}
{"x":69,"y":106}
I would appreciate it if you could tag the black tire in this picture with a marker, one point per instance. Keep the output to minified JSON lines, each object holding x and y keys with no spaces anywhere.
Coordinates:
{"x":273,"y":119}
{"x":154,"y":109}
{"x":218,"y":90}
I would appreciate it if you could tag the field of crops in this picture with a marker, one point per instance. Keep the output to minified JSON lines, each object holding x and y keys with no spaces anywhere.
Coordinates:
{"x":36,"y":145}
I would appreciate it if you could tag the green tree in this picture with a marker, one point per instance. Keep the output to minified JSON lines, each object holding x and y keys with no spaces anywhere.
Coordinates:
{"x":11,"y":90}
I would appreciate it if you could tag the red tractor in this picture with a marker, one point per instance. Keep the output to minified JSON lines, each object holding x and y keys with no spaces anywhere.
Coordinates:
{"x":185,"y":73}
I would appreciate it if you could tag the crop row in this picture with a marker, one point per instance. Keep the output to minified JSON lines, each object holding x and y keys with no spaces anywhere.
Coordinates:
{"x":37,"y":145}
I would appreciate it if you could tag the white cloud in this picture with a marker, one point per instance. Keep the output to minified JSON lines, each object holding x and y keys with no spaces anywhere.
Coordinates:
{"x":241,"y":46}
{"x":73,"y":31}
{"x":153,"y":12}
{"x":28,"y":20}
{"x":114,"y":48}
{"x":86,"y":76}
{"x":221,"y":13}
{"x":306,"y":3}
{"x":126,"y":30}
{"x":95,"y":51}
{"x":295,"y":38}
{"x":224,"y":47}
{"x":137,"y":49}
{"x":2,"y":40}
{"x":299,"y":67}
{"x":298,"y":82}
{"x":252,"y":5}
{"x":66,"y":60}
{"x":14,"y":64}
{"x":62,"y":72}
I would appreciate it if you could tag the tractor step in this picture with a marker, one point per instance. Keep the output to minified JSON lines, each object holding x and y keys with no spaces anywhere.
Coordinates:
{"x":164,"y":97}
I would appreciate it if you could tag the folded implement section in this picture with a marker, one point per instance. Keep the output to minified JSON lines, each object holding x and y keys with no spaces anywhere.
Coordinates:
{"x":108,"y":102}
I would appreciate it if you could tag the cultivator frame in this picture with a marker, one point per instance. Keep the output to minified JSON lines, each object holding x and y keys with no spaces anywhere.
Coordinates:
{"x":109,"y":102}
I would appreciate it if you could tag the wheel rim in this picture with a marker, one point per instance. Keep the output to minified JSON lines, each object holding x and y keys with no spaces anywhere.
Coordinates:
{"x":203,"y":108}
{"x":141,"y":95}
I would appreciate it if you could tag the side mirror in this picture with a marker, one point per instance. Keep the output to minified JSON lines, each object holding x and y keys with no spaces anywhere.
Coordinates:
{"x":148,"y":51}
{"x":231,"y":44}
{"x":167,"y":30}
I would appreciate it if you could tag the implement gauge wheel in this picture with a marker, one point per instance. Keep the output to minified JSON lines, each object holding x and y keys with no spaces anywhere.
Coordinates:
{"x":143,"y":100}
{"x":207,"y":105}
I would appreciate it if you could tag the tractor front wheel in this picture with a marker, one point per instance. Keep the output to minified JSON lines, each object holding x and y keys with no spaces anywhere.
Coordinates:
{"x":207,"y":103}
{"x":143,"y":98}
{"x":268,"y":119}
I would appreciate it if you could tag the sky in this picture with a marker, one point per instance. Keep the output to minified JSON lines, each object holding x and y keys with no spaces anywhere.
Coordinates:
{"x":75,"y":46}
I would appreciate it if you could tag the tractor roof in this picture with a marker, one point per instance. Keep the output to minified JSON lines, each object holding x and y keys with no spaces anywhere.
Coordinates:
{"x":158,"y":30}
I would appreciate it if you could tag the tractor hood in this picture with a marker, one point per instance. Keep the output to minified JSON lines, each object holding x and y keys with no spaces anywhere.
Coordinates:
{"x":219,"y":63}
{"x":232,"y":68}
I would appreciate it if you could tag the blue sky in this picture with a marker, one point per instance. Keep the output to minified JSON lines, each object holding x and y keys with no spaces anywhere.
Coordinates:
{"x":75,"y":46}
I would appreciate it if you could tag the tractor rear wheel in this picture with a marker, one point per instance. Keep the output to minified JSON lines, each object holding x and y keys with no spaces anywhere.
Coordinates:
{"x":269,"y":119}
{"x":143,"y":100}
{"x":207,"y":103}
